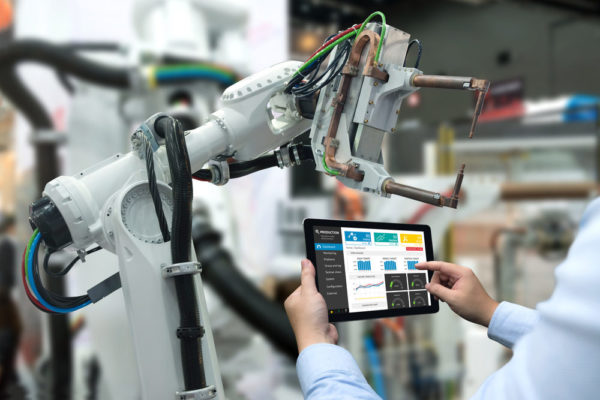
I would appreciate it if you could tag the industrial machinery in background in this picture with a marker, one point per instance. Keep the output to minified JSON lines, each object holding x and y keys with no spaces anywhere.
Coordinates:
{"x":352,"y":102}
{"x":113,"y":87}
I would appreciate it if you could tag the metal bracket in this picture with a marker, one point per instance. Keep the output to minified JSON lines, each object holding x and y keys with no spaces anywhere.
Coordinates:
{"x":184,"y":268}
{"x":209,"y":392}
{"x":220,"y":172}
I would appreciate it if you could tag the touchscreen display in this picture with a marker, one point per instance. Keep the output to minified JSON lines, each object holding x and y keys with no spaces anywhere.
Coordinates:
{"x":363,"y":270}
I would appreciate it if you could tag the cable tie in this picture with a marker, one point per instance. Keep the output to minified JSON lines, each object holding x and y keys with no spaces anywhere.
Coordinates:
{"x":190,"y":332}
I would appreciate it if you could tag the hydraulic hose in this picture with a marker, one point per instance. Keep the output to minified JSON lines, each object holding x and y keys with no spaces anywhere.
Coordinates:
{"x":190,"y":330}
{"x":243,"y":168}
{"x":238,"y":292}
{"x":63,"y":59}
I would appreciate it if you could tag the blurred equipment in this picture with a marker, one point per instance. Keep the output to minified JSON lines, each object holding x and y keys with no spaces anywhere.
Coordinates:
{"x":550,"y":234}
{"x":138,"y":205}
{"x":10,"y":321}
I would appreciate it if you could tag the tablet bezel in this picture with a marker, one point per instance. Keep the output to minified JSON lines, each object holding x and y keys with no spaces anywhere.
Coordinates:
{"x":310,"y":223}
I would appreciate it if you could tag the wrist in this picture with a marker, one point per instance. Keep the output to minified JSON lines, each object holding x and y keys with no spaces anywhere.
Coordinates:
{"x":489,"y":311}
{"x":305,"y":341}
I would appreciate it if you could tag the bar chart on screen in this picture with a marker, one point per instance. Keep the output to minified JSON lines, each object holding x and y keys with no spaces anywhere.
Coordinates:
{"x":363,"y":265}
{"x":389,"y":265}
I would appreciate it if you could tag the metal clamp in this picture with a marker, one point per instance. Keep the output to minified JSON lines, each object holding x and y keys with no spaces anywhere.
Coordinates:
{"x":184,"y":268}
{"x":220,"y":172}
{"x":209,"y":392}
{"x":284,"y":160}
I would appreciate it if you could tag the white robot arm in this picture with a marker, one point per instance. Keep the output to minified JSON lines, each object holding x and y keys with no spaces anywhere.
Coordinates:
{"x":110,"y":204}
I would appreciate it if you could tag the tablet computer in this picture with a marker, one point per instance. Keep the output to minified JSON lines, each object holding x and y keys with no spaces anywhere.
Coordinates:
{"x":367,"y":269}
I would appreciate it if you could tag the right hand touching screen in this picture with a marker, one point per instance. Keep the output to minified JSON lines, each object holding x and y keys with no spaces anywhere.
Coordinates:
{"x":459,"y":287}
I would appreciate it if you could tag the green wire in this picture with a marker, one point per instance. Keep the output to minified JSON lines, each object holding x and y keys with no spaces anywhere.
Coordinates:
{"x":327,"y":169}
{"x":320,"y":53}
{"x":362,"y":27}
{"x":353,"y":33}
{"x":364,"y":24}
{"x":27,"y":252}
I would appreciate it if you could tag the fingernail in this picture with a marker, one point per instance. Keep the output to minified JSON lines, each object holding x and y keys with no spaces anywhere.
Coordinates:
{"x":305,"y":263}
{"x":427,"y":286}
{"x":420,"y":264}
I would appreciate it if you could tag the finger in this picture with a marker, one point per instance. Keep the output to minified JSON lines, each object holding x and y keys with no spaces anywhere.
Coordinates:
{"x":443,"y":267}
{"x":436,"y":278}
{"x":442,"y":292}
{"x":309,"y":284}
{"x":333,"y":333}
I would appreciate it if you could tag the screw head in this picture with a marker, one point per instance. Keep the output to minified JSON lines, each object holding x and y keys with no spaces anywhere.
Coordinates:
{"x":375,"y":83}
{"x":370,"y":101}
{"x":366,"y":120}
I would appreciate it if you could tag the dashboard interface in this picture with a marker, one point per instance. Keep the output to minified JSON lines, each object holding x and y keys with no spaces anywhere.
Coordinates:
{"x":361,"y":270}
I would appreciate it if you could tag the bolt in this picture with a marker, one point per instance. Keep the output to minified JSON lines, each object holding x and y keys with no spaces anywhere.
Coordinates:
{"x":366,"y":120}
{"x":375,"y":83}
{"x":370,"y":101}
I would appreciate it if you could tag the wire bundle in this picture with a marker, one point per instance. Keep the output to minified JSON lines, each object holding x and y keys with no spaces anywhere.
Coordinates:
{"x":42,"y":298}
{"x":190,"y":72}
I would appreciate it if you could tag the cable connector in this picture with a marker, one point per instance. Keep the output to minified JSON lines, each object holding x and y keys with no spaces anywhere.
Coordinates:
{"x":220,"y":172}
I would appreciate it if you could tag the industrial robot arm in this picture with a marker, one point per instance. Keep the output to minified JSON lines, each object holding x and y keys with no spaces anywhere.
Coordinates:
{"x":352,"y":104}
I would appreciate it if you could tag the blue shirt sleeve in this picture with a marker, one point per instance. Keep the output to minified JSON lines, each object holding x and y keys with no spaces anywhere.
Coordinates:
{"x":327,"y":371}
{"x":559,"y":356}
{"x":510,"y":322}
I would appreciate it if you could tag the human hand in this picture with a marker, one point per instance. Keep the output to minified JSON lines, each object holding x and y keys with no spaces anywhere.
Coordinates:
{"x":459,"y":287}
{"x":307,"y":311}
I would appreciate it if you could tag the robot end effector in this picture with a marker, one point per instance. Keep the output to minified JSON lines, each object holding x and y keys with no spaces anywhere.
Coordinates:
{"x":366,"y":105}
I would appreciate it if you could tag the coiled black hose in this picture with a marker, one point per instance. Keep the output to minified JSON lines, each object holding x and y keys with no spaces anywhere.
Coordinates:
{"x":190,"y":331}
{"x":219,"y":271}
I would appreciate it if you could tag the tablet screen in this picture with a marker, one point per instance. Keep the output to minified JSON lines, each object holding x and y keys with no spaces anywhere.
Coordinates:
{"x":370,"y":269}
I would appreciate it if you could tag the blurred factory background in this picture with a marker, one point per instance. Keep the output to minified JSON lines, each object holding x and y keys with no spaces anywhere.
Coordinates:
{"x":531,"y":170}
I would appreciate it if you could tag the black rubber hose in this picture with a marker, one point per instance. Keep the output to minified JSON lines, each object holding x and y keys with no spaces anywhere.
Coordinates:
{"x":243,"y":168}
{"x":63,"y":59}
{"x":219,"y":270}
{"x":22,"y":99}
{"x":190,"y":330}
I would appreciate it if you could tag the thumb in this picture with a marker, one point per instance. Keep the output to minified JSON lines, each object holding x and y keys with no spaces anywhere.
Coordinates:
{"x":441,"y":291}
{"x":309,"y":284}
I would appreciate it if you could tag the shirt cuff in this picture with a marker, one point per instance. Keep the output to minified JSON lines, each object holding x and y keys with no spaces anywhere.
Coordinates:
{"x":510,"y":322}
{"x":322,"y":358}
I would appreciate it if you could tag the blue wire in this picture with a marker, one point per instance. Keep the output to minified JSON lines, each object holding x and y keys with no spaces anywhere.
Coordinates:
{"x":198,"y":74}
{"x":35,"y":243}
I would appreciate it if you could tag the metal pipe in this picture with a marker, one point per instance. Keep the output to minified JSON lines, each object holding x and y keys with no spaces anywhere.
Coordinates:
{"x":350,"y":70}
{"x":558,"y":190}
{"x":425,"y":196}
{"x":457,"y":82}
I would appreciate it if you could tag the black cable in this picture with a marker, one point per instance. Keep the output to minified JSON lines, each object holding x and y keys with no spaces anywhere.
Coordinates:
{"x":50,"y":297}
{"x":65,"y":270}
{"x":334,"y":68}
{"x":243,"y":168}
{"x":190,"y":330}
{"x":153,"y":187}
{"x":418,"y":60}
{"x":56,"y":56}
{"x":237,"y":291}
